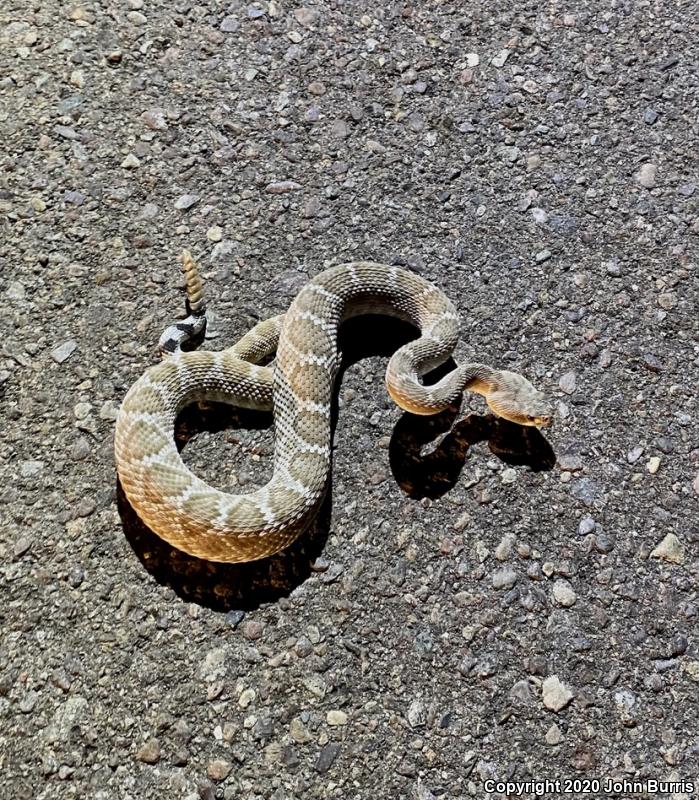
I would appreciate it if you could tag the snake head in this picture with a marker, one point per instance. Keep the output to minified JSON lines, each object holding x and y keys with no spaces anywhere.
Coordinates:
{"x":516,"y":400}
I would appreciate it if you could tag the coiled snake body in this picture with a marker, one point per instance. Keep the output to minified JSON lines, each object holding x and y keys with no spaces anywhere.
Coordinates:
{"x":205,"y":522}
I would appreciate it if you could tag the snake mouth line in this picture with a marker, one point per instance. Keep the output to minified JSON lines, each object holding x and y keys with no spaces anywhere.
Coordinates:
{"x":511,"y":412}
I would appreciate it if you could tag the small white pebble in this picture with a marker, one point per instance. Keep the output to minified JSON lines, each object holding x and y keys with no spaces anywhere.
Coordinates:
{"x":646,"y":175}
{"x":568,"y":382}
{"x":503,"y":550}
{"x":30,"y":469}
{"x":556,"y":695}
{"x":81,"y":410}
{"x":500,"y":59}
{"x":63,"y":351}
{"x":246,"y":697}
{"x":554,"y":735}
{"x":136,"y":18}
{"x":504,"y":578}
{"x":563,"y":593}
{"x":109,"y":411}
{"x":509,"y":475}
{"x":653,"y":464}
{"x":130,"y":162}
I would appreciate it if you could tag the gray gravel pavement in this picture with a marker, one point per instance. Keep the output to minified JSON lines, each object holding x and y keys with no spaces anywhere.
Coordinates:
{"x":478,"y":613}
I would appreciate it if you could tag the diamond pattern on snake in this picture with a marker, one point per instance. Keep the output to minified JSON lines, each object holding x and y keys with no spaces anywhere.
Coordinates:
{"x":298,"y":386}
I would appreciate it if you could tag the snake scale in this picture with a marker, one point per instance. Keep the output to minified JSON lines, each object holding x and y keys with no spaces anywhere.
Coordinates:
{"x":298,"y":386}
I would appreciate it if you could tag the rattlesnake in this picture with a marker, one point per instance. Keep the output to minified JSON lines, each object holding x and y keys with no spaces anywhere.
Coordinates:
{"x":298,"y":385}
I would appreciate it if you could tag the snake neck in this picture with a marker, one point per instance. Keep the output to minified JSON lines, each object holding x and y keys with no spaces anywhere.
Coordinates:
{"x":480,"y":378}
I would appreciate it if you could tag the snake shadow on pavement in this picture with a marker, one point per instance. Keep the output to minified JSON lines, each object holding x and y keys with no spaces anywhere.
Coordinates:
{"x":437,"y":471}
{"x":241,"y":587}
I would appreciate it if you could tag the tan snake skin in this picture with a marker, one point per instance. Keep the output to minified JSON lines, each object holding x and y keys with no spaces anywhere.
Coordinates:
{"x":208,"y":523}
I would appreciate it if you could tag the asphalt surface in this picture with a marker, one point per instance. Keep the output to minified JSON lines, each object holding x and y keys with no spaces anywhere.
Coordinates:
{"x":476,"y":602}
